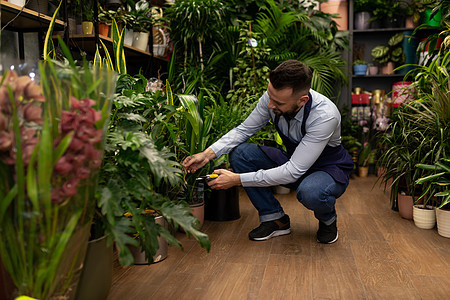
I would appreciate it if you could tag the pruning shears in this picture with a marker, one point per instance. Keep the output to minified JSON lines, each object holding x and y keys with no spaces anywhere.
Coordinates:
{"x":207,"y":177}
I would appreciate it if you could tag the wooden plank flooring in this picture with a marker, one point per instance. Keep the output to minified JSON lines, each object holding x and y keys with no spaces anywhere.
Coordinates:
{"x":378,"y":255}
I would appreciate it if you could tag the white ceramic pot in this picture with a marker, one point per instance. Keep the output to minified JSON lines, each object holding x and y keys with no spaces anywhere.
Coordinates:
{"x":424,"y":218}
{"x":20,"y":3}
{"x":128,"y":38}
{"x":140,"y":40}
{"x":443,"y":222}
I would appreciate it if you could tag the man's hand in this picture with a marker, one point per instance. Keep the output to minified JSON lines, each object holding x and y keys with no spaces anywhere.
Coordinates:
{"x":225,"y":180}
{"x":196,"y":161}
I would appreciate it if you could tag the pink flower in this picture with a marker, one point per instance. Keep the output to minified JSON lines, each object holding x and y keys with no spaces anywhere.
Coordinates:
{"x":69,"y":121}
{"x":27,"y":134}
{"x":56,"y":196}
{"x":89,"y":134}
{"x":3,"y":121}
{"x":79,"y":160}
{"x":6,"y":140}
{"x":82,"y":173}
{"x":33,"y":91}
{"x":69,"y":187}
{"x":91,"y":116}
{"x":91,"y":153}
{"x":95,"y":163}
{"x":83,"y":104}
{"x":76,"y":144}
{"x":28,"y":148}
{"x":64,"y":165}
{"x":5,"y":103}
{"x":33,"y":113}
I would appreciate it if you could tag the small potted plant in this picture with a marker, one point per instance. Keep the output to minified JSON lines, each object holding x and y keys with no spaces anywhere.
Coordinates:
{"x":359,"y":67}
{"x":87,"y":17}
{"x":104,"y":19}
{"x":142,"y":25}
{"x":438,"y":181}
{"x":390,"y":13}
{"x":363,"y":160}
{"x":373,"y":69}
{"x":388,"y":56}
{"x":362,"y":9}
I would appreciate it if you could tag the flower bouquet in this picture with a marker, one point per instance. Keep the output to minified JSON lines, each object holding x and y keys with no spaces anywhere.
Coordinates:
{"x":51,"y":147}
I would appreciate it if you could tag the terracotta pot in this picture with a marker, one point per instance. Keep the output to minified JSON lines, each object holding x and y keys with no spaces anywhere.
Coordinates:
{"x":388,"y":68}
{"x":198,"y":210}
{"x":337,"y":7}
{"x":443,"y":222}
{"x":405,"y":206}
{"x":363,"y":171}
{"x":409,"y":22}
{"x":373,"y":70}
{"x":103,"y":29}
{"x":87,"y":27}
{"x":424,"y":218}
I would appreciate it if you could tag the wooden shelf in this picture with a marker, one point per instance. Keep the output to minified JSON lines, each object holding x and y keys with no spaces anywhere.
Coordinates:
{"x":382,"y":30}
{"x":86,"y":42}
{"x":379,"y":76}
{"x":24,"y":19}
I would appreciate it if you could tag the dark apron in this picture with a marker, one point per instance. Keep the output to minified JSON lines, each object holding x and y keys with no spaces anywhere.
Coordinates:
{"x":334,"y":160}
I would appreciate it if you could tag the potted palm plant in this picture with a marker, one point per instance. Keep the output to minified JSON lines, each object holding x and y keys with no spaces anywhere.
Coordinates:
{"x":419,"y":133}
{"x":438,"y":186}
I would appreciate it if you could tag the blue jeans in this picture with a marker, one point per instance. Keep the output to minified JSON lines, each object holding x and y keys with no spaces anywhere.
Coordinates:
{"x":317,"y":191}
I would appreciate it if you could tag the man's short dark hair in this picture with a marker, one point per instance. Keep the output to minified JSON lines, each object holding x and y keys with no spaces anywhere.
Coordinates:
{"x":291,"y":73}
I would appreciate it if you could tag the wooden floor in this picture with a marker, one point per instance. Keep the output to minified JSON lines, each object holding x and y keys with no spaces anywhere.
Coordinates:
{"x":378,"y":255}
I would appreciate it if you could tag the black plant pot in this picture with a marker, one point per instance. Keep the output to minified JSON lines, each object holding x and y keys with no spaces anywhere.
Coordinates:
{"x":222,"y":205}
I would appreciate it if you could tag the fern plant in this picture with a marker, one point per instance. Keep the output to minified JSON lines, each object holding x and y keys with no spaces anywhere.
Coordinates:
{"x":141,"y":173}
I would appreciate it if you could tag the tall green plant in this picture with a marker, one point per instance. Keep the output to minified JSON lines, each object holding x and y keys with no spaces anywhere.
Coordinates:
{"x":420,"y":133}
{"x":294,"y":35}
{"x":192,"y":23}
{"x":438,"y":183}
{"x":50,"y":173}
{"x":141,"y":172}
